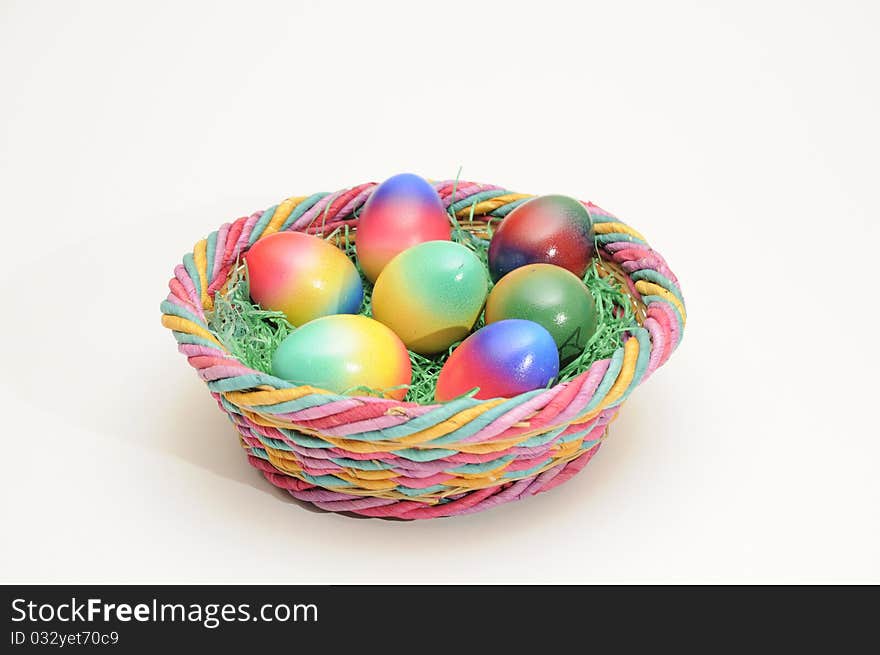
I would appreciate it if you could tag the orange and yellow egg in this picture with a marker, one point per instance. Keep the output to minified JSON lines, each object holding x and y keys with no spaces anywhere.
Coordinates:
{"x":303,"y":276}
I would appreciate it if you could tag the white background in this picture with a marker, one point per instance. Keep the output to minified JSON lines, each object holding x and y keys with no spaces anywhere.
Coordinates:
{"x":741,"y":138}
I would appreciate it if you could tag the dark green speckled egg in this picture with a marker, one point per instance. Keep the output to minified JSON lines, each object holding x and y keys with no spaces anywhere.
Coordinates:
{"x":550,"y":296}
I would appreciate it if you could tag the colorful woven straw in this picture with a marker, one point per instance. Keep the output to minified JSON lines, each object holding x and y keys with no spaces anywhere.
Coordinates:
{"x":387,"y":458}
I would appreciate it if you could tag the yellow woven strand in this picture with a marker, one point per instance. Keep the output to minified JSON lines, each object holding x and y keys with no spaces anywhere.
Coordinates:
{"x":621,"y":384}
{"x":491,"y":474}
{"x":362,"y":447}
{"x":451,"y":424}
{"x":244,"y":399}
{"x":617,"y":228}
{"x":371,"y":475}
{"x":281,"y":213}
{"x":372,"y":485}
{"x":491,"y":446}
{"x":284,"y":465}
{"x":627,"y":372}
{"x":286,"y":455}
{"x":651,"y":289}
{"x":488,"y":206}
{"x":390,"y":446}
{"x":200,"y":257}
{"x":179,"y":324}
{"x":568,"y":448}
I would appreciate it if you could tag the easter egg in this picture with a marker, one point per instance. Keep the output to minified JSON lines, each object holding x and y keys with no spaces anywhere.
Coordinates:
{"x":549,"y":229}
{"x":403,"y":211}
{"x":503,"y":359}
{"x":303,"y":276}
{"x":343,"y":352}
{"x":431,"y":295}
{"x":552,"y":297}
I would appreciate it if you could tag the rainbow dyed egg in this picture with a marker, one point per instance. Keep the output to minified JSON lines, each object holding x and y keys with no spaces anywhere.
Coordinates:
{"x":552,"y":297}
{"x":403,"y":211}
{"x":303,"y":276}
{"x":549,"y":229}
{"x":503,"y":359}
{"x":431,"y":295}
{"x":345,"y":353}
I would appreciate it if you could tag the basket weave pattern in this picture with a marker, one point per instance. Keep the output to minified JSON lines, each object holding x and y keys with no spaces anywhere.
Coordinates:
{"x":387,"y":458}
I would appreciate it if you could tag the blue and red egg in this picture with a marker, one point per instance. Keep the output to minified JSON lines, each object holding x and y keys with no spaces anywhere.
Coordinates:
{"x":403,"y":211}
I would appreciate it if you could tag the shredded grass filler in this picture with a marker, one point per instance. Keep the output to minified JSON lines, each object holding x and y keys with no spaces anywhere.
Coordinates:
{"x":252,"y":333}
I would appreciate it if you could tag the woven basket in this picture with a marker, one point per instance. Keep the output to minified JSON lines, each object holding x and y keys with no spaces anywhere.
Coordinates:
{"x":387,"y":458}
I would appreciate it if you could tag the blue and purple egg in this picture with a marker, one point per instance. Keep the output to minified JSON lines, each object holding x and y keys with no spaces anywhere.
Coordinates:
{"x":503,"y":359}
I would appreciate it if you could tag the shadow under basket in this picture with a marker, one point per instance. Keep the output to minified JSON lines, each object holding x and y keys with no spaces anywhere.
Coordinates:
{"x":394,"y":459}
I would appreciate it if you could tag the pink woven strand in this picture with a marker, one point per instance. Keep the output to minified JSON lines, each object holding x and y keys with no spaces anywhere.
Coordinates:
{"x":179,"y":293}
{"x":230,"y":252}
{"x":219,"y":252}
{"x":194,"y":350}
{"x":592,"y":379}
{"x":193,"y":295}
{"x":369,"y":425}
{"x":504,"y":495}
{"x":358,"y":200}
{"x":596,"y":210}
{"x":318,"y":208}
{"x":180,"y":302}
{"x":658,"y":346}
{"x":242,"y":243}
{"x":500,"y":425}
{"x":570,"y":470}
{"x":667,"y":317}
{"x":360,"y":505}
{"x":212,"y":373}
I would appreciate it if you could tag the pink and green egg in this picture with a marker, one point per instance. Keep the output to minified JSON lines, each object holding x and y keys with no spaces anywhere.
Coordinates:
{"x":431,"y":295}
{"x":303,"y":276}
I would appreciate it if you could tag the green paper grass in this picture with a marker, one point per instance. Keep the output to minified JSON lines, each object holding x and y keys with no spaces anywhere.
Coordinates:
{"x":248,"y":331}
{"x":252,"y":333}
